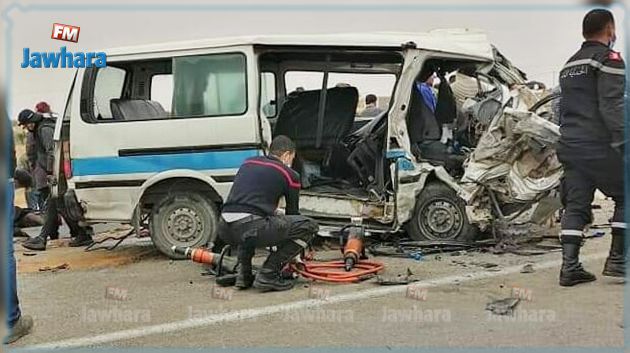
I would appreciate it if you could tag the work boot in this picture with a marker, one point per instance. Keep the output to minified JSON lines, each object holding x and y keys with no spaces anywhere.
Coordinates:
{"x":616,"y":262}
{"x":269,"y":277}
{"x":268,"y":280}
{"x":22,"y":327}
{"x":572,"y":272}
{"x":36,"y":244}
{"x":246,"y":251}
{"x":81,"y":240}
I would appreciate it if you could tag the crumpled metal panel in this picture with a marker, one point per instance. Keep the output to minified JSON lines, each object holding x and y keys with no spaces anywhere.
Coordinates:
{"x":515,"y":155}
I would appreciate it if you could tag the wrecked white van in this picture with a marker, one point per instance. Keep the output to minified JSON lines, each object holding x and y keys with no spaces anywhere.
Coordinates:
{"x":156,"y":137}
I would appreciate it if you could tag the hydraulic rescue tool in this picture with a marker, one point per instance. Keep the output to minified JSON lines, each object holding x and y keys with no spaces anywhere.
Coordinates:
{"x":353,"y":250}
{"x":353,"y":267}
{"x":219,"y":262}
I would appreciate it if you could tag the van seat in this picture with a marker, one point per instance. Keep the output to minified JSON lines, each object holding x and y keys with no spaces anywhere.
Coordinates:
{"x":298,"y":117}
{"x":136,"y":109}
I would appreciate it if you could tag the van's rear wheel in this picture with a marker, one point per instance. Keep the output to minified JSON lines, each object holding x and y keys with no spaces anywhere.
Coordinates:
{"x":440,"y":215}
{"x":182,"y":219}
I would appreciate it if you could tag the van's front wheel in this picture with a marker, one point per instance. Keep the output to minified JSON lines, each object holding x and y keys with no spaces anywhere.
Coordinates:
{"x":182,"y":219}
{"x":440,"y":215}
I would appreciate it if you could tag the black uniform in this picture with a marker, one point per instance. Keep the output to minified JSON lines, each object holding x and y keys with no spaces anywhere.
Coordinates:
{"x":248,"y":215}
{"x":592,"y":135}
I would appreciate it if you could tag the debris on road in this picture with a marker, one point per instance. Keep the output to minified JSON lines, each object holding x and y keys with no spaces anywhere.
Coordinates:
{"x":397,"y":280}
{"x":484,"y":264}
{"x":53,"y":269}
{"x":503,"y":306}
{"x":526,"y":246}
{"x":529,"y":268}
{"x":117,"y":241}
{"x":416,"y":249}
{"x":490,"y":266}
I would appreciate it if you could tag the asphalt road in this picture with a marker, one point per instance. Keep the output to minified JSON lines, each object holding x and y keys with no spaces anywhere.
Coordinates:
{"x":159,"y":303}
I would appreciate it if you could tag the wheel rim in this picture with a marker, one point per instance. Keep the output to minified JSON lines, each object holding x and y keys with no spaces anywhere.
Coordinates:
{"x":184,"y":225}
{"x":440,"y":219}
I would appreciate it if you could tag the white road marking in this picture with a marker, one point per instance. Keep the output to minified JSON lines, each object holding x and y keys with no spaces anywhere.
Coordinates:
{"x":278,"y":308}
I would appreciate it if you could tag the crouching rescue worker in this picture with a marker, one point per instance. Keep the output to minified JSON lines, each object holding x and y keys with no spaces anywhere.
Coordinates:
{"x":592,"y":144}
{"x":249,"y":218}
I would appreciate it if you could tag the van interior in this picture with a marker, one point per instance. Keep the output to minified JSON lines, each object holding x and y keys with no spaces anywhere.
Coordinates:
{"x":319,"y":100}
{"x":341,"y":152}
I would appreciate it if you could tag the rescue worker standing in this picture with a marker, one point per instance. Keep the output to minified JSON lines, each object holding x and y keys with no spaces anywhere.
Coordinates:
{"x":592,"y":144}
{"x":43,"y":131}
{"x":249,"y":218}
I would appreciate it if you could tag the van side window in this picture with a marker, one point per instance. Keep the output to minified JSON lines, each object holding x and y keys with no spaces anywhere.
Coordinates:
{"x":108,"y":85}
{"x":299,"y":81}
{"x":166,"y":88}
{"x":379,"y":85}
{"x":162,"y":90}
{"x":209,"y":85}
{"x":268,"y":101}
{"x":375,"y":89}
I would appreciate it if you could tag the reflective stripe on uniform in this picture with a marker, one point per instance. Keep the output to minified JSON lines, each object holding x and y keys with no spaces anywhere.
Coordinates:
{"x":596,"y":64}
{"x":572,"y":232}
{"x":619,"y":225}
{"x":301,"y":243}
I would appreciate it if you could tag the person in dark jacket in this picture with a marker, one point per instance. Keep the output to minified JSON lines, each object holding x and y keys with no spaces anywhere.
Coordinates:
{"x":19,"y":325}
{"x":43,"y":130}
{"x":28,"y":163}
{"x":249,"y":218}
{"x":592,"y":144}
{"x":371,"y":107}
{"x":34,"y":198}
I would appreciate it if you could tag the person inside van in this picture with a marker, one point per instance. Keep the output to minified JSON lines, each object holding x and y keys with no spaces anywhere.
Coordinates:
{"x":425,"y":87}
{"x":43,"y":130}
{"x":430,"y":120}
{"x":249,"y":217}
{"x":371,"y":107}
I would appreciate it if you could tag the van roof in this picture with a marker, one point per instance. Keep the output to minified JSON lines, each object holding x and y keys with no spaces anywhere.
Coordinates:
{"x":460,"y":41}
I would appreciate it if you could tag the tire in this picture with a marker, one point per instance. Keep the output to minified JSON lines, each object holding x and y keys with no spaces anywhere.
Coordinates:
{"x":182,"y":219}
{"x":440,"y":215}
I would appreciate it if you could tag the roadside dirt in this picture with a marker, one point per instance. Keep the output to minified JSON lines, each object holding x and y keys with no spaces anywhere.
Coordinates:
{"x":59,"y":253}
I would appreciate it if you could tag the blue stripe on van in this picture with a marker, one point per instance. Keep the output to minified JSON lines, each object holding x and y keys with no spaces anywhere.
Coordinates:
{"x":161,"y":163}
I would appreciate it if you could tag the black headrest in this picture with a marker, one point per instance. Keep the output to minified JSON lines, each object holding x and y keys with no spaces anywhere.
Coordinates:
{"x":136,"y":109}
{"x":299,"y":114}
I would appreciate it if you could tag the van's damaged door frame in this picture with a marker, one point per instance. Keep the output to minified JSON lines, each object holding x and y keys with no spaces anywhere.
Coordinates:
{"x":409,"y":174}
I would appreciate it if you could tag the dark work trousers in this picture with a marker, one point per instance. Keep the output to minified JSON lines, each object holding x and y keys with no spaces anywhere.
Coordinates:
{"x":51,"y":218}
{"x":584,"y":173}
{"x":277,"y":231}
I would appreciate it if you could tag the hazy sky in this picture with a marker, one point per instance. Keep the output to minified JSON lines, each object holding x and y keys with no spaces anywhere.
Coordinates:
{"x":538,"y":41}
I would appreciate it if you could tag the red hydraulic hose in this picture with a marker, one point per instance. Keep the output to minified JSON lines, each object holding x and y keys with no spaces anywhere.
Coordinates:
{"x":334,"y":271}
